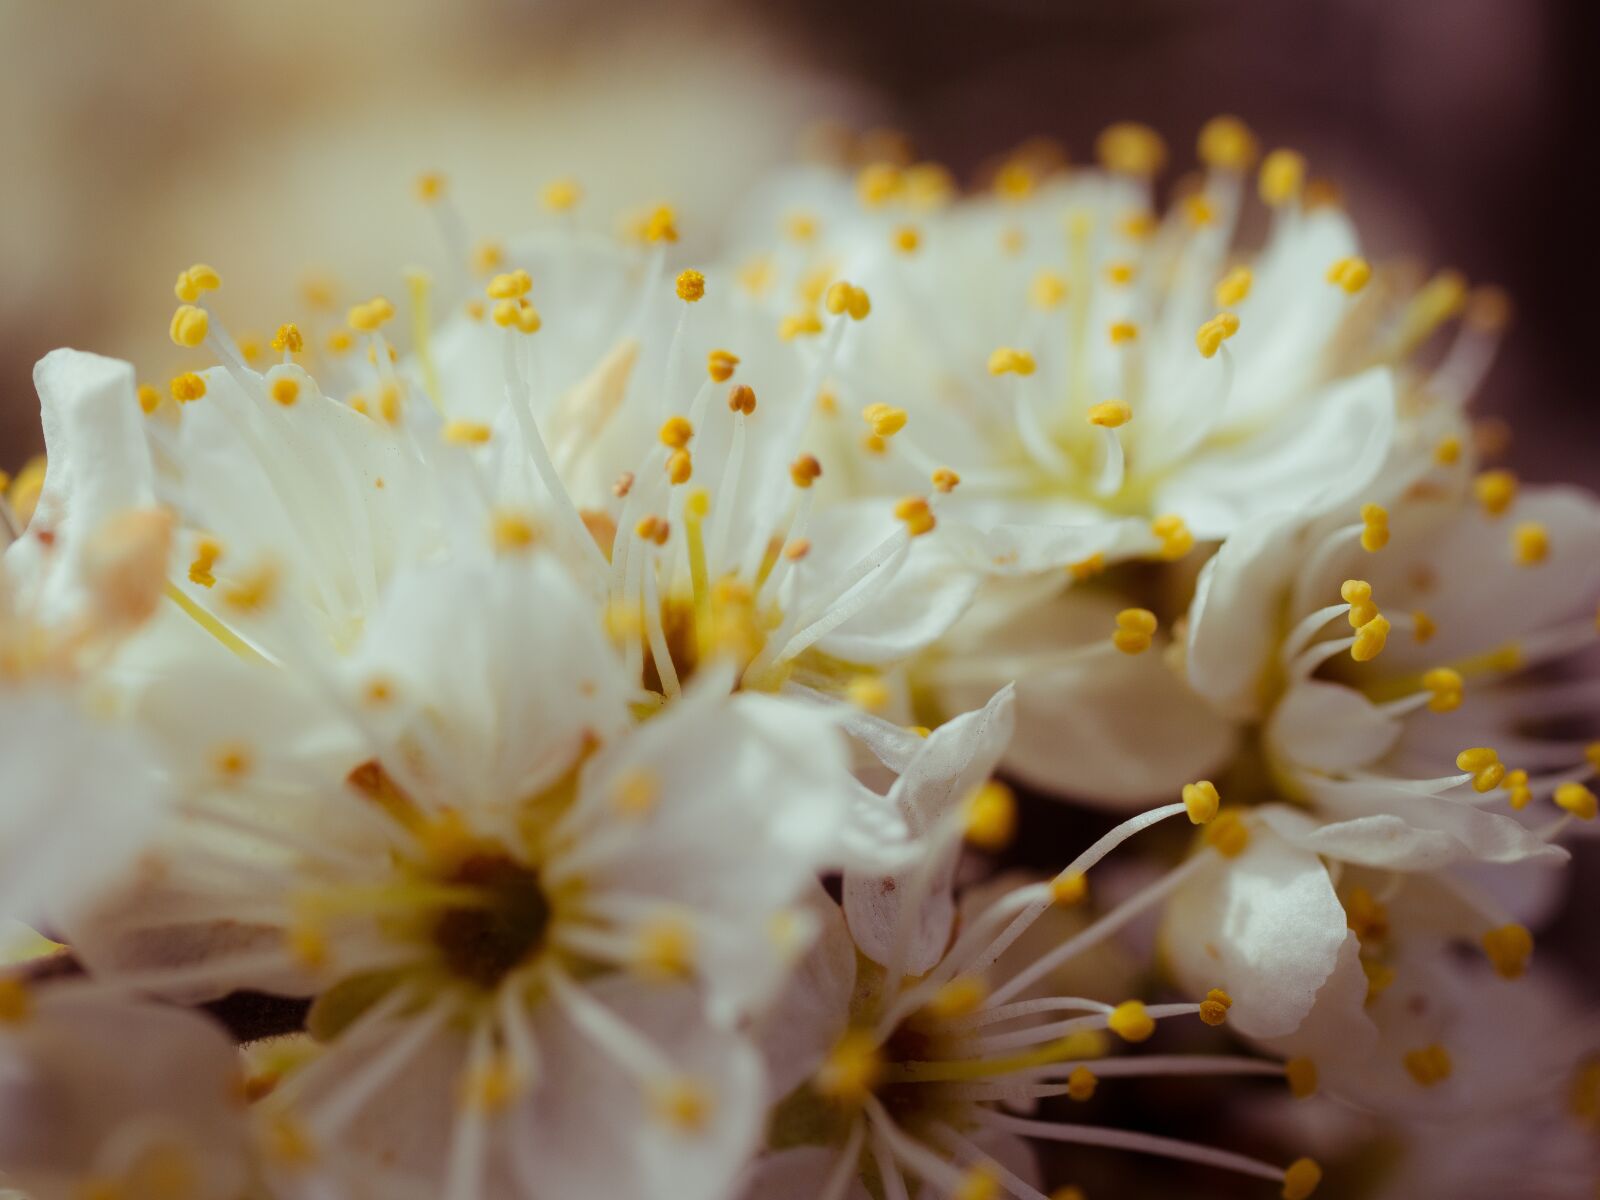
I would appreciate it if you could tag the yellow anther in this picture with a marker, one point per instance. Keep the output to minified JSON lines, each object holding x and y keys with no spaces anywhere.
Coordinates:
{"x":1423,"y":627}
{"x":804,"y":324}
{"x":945,"y":480}
{"x":885,"y":419}
{"x":1591,"y":752}
{"x":978,"y":1183}
{"x":1174,"y":535}
{"x":1495,"y":491}
{"x":801,"y":226}
{"x":1120,"y":274}
{"x":288,"y":338}
{"x":1530,"y":543}
{"x":1137,"y":226}
{"x":195,"y":280}
{"x":691,"y":286}
{"x":1134,"y":629}
{"x":431,"y":186}
{"x":851,"y":1069}
{"x":1047,"y":290}
{"x":1234,"y":288}
{"x":1302,"y":1076}
{"x":187,"y":387}
{"x":1448,"y":452}
{"x":1131,"y":149}
{"x":1371,"y":639}
{"x":1130,"y":1021}
{"x":371,"y":316}
{"x":958,"y":998}
{"x":1087,"y":568}
{"x":914,"y":513}
{"x":664,"y":948}
{"x":869,"y":692}
{"x":1428,"y":1065}
{"x":1379,"y":978}
{"x":1228,"y":834}
{"x":512,"y":531}
{"x":680,"y":467}
{"x":488,"y":257}
{"x":1081,"y":1084}
{"x":1015,"y":181}
{"x":1518,"y":794}
{"x":742,"y":399}
{"x":308,"y":946}
{"x":1508,"y":949}
{"x":1007,"y":360}
{"x":652,"y":528}
{"x":253,"y":591}
{"x":878,"y":183}
{"x":661,"y":225}
{"x":1067,"y":890}
{"x":1214,"y":1008}
{"x":1374,"y":527}
{"x":490,"y":1087}
{"x":16,"y":1002}
{"x":1352,"y":274}
{"x":285,"y":390}
{"x":1485,"y":767}
{"x":1201,"y":800}
{"x":805,"y":471}
{"x":720,"y":365}
{"x":338,"y":341}
{"x":906,"y":239}
{"x":635,"y":792}
{"x":250,"y":348}
{"x":992,"y":816}
{"x":676,"y":432}
{"x":1283,"y":175}
{"x":1446,"y":686}
{"x":1110,"y":414}
{"x":189,"y":326}
{"x":1577,"y":800}
{"x":1227,"y":144}
{"x":1366,"y":916}
{"x":466,"y":433}
{"x":1301,"y":1179}
{"x":683,"y":1104}
{"x":1199,"y":211}
{"x":843,"y":297}
{"x":562,"y":195}
{"x":1357,"y":593}
{"x":510,"y":285}
{"x":389,"y":403}
{"x":797,"y":549}
{"x":1210,"y":336}
{"x":1122,"y":332}
{"x":206,"y":553}
{"x":149,"y":401}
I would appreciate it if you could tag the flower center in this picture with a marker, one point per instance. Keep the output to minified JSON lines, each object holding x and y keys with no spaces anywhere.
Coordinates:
{"x":483,"y":943}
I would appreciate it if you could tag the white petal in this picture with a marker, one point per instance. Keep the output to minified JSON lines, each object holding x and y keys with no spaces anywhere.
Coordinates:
{"x":1328,"y":727}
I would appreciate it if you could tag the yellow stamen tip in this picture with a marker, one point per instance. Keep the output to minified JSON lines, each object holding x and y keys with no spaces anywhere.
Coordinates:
{"x":1428,"y":1065}
{"x":1130,"y":148}
{"x":691,"y":286}
{"x":195,"y":280}
{"x":851,"y":1069}
{"x":1283,"y":175}
{"x":1302,"y":1076}
{"x":1214,"y":1008}
{"x":992,"y":816}
{"x":914,"y":513}
{"x":1234,"y":288}
{"x":1067,"y":890}
{"x":1530,"y":543}
{"x":1007,"y":360}
{"x":1135,"y":627}
{"x":1210,"y":336}
{"x":1202,"y":801}
{"x":1577,"y":800}
{"x":189,"y":326}
{"x":1495,"y":491}
{"x":187,"y":387}
{"x":1351,"y":274}
{"x":1374,"y":527}
{"x":1508,"y":949}
{"x":958,"y":998}
{"x":1371,"y":639}
{"x":676,"y":432}
{"x":1130,"y":1021}
{"x":1110,"y":414}
{"x":1081,"y":1084}
{"x":720,"y":365}
{"x":1228,"y":835}
{"x":1301,"y":1179}
{"x":1227,"y":144}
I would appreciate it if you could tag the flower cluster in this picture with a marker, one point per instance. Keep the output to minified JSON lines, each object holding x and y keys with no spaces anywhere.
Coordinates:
{"x":558,"y":733}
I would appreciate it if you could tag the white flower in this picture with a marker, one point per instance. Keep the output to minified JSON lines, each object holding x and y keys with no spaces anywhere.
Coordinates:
{"x":106,"y":1097}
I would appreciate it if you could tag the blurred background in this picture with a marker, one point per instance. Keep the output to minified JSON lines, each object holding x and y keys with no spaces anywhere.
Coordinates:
{"x":281,"y":141}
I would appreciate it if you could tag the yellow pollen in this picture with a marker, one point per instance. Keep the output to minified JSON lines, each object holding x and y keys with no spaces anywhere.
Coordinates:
{"x":1577,"y":800}
{"x":1081,"y":1084}
{"x":800,"y":325}
{"x":1351,"y":274}
{"x":1357,"y":593}
{"x":683,"y":1104}
{"x":805,"y":471}
{"x":1048,"y":290}
{"x":1484,"y":765}
{"x":1446,"y":686}
{"x":1122,"y":332}
{"x":389,"y":403}
{"x":978,"y":1183}
{"x":1371,"y":639}
{"x":16,"y":1002}
{"x":1007,"y":360}
{"x":958,"y":998}
{"x":801,"y":226}
{"x":1120,"y":274}
{"x":466,"y":433}
{"x":189,"y":326}
{"x":1530,"y":543}
{"x":635,"y":792}
{"x":1302,"y":1076}
{"x":1201,"y":800}
{"x":1199,"y":211}
{"x":1134,"y":629}
{"x":187,"y":387}
{"x":430,"y":186}
{"x":797,"y":549}
{"x":1495,"y":491}
{"x":720,"y":365}
{"x":512,"y":531}
{"x":1087,"y":568}
{"x":1301,"y":1179}
{"x":195,"y":280}
{"x":1366,"y":916}
{"x":1210,"y":336}
{"x":1176,"y":540}
{"x":285,"y":390}
{"x":1448,"y":452}
{"x":878,"y":183}
{"x":338,"y":342}
{"x":869,"y":692}
{"x":1137,"y":226}
{"x":1283,"y":175}
{"x":510,"y":286}
{"x":1234,"y":288}
{"x":1508,"y":949}
{"x":1226,"y":143}
{"x":1423,"y":626}
{"x":288,"y":338}
{"x":1110,"y":414}
{"x":945,"y":480}
{"x":917,"y":517}
{"x":1374,"y":527}
{"x":742,"y":399}
{"x":680,"y":466}
{"x":490,"y":1087}
{"x":1015,"y":181}
{"x":851,"y":1069}
{"x":253,"y":591}
{"x":661,"y":225}
{"x":206,"y":553}
{"x":1520,"y":795}
{"x":886,"y":420}
{"x":562,"y":195}
{"x":488,"y":257}
{"x":1130,"y":1021}
{"x":1228,"y":835}
{"x":1428,"y":1065}
{"x":652,"y":528}
{"x":309,"y":946}
{"x":676,"y":432}
{"x":1379,"y":978}
{"x":1130,"y":148}
{"x":378,"y":691}
{"x":691,"y":286}
{"x":845,"y":298}
{"x":1214,"y":1008}
{"x":1068,"y":890}
{"x":1591,"y":752}
{"x":991,"y":817}
{"x":371,"y":316}
{"x":664,"y":949}
{"x":906,"y":239}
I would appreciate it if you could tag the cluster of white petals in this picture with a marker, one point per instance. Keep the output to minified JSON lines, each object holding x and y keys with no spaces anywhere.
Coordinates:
{"x":559,"y":731}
